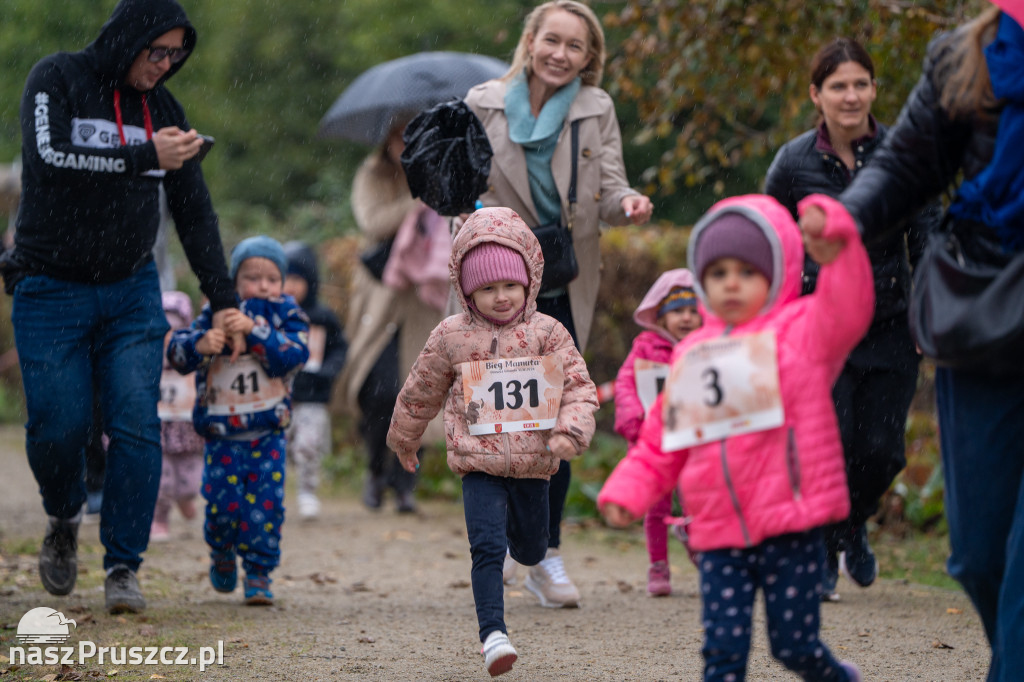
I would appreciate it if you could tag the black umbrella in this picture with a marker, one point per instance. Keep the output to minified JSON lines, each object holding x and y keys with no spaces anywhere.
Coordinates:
{"x":383,"y":94}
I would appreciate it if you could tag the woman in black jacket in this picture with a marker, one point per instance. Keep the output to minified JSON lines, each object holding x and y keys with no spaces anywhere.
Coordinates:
{"x":966,"y":115}
{"x":874,"y":391}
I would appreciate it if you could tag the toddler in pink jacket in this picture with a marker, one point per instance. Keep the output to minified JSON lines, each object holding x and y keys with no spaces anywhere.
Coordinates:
{"x":668,"y":312}
{"x":746,"y":427}
{"x":517,"y":401}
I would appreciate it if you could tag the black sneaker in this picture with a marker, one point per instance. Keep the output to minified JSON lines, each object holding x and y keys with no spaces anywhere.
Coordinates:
{"x":373,"y":492}
{"x":405,"y":502}
{"x":58,"y":557}
{"x":859,"y":563}
{"x":122,"y":591}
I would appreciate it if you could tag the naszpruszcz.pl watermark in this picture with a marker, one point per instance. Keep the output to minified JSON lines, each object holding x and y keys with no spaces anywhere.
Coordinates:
{"x":43,"y":630}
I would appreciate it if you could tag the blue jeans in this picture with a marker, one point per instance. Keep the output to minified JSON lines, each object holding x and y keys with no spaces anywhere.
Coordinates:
{"x":788,"y":569}
{"x":502,"y":513}
{"x":63,"y":331}
{"x":981,"y":424}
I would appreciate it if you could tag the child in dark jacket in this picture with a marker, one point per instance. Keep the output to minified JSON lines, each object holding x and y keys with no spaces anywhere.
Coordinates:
{"x":309,"y":436}
{"x":242,"y":407}
{"x":668,"y":312}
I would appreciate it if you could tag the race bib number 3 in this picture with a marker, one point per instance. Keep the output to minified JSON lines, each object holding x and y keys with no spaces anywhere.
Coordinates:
{"x":722,"y":387}
{"x":241,"y":387}
{"x":512,"y":394}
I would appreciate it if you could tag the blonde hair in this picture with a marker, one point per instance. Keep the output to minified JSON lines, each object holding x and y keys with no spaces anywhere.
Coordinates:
{"x":592,"y":72}
{"x":967,"y":89}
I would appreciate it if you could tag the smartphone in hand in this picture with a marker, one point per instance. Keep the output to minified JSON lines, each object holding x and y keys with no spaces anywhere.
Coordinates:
{"x":206,"y":147}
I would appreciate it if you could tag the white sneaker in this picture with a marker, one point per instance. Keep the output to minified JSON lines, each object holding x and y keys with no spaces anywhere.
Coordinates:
{"x":510,"y":571}
{"x":548,"y":581}
{"x":309,"y":506}
{"x":499,"y":655}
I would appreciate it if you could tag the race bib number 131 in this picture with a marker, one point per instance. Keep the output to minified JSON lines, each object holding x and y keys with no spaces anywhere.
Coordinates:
{"x":512,"y":394}
{"x":722,"y":387}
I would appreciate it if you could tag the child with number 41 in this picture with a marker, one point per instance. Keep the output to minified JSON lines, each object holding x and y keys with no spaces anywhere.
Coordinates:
{"x":243,"y":406}
{"x":517,"y":399}
{"x":746,"y":427}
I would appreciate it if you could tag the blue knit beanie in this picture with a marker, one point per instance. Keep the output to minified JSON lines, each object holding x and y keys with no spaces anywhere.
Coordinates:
{"x":259,"y":247}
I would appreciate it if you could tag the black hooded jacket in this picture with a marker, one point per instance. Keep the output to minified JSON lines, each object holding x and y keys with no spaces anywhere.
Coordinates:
{"x":313,"y":384}
{"x":90,"y":206}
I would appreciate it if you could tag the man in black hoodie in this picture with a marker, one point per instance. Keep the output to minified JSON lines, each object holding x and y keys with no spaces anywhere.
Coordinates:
{"x":309,"y":436}
{"x":100,"y":133}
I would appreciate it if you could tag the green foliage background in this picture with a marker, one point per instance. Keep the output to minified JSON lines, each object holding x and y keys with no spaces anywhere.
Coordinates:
{"x":706,"y":90}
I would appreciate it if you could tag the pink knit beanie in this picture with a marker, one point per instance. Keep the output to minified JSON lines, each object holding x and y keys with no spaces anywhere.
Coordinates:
{"x":732,"y":235}
{"x":489,"y":263}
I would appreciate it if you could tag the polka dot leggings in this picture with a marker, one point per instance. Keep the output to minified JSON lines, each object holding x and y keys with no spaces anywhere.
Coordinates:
{"x":788,"y":568}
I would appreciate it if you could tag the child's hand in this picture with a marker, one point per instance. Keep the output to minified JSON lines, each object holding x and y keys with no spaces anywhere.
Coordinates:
{"x":237,"y":342}
{"x":561,"y":447}
{"x":812,"y":224}
{"x":237,"y":322}
{"x":616,"y":516}
{"x":410,"y":462}
{"x":212,"y":342}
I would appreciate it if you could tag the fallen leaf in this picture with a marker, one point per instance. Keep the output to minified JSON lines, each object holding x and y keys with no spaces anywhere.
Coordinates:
{"x":359,"y":586}
{"x":954,"y":611}
{"x":624,"y":586}
{"x":864,"y":633}
{"x":941,"y":645}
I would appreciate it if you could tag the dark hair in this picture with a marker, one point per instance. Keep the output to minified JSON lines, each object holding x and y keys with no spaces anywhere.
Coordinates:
{"x":836,"y":53}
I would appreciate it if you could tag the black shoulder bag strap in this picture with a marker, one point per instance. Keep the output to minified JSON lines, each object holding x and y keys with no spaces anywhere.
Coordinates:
{"x":575,"y":163}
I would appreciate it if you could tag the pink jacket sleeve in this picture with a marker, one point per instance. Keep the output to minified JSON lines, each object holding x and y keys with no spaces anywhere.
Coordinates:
{"x":629,"y":410}
{"x":579,"y":395}
{"x":422,"y":396}
{"x":646,"y":474}
{"x":843,"y":302}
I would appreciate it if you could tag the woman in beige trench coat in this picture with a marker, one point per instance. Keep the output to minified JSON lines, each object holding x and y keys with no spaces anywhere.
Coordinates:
{"x":528,"y":114}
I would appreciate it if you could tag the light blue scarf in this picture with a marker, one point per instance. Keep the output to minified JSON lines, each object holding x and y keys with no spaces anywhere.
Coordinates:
{"x":538,"y":136}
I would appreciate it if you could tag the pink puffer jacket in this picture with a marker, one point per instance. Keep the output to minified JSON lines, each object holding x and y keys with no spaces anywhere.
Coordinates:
{"x":654,"y":344}
{"x":744,"y":489}
{"x":436,"y":376}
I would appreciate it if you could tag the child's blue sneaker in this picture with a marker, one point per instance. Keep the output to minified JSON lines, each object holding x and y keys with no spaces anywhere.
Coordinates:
{"x":223,"y":571}
{"x":257,"y":590}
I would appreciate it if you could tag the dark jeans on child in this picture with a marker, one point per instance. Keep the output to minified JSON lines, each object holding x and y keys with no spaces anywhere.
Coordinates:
{"x":502,"y":513}
{"x":788,"y":569}
{"x":243,"y":481}
{"x":558,"y":308}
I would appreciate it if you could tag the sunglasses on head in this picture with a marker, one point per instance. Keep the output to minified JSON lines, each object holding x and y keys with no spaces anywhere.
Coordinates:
{"x":175,"y":54}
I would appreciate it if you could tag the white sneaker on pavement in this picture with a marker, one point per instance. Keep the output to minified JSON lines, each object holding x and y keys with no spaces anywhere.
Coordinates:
{"x":548,"y":581}
{"x":309,"y":506}
{"x":499,"y":654}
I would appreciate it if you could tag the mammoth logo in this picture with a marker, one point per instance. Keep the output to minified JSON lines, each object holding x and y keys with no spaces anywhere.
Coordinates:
{"x":44,"y":625}
{"x":87,"y":131}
